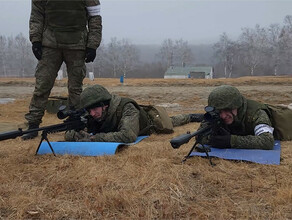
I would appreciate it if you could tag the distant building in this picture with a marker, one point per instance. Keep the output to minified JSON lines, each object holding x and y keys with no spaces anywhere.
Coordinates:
{"x":180,"y":72}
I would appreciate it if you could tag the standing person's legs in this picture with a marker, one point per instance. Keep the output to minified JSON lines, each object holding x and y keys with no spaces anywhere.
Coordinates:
{"x":76,"y":70}
{"x":46,"y":73}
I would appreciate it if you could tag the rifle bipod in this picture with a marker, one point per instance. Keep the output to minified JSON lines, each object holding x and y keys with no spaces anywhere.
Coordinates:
{"x":45,"y":137}
{"x":205,"y":150}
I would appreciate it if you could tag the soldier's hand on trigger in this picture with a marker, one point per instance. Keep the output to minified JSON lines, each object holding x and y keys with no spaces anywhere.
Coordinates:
{"x":223,"y":132}
{"x":220,"y":140}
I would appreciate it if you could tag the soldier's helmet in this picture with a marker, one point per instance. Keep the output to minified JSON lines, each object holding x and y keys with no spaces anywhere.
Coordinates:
{"x":225,"y":97}
{"x":94,"y":96}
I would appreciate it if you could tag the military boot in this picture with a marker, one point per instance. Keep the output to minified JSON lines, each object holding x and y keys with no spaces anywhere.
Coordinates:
{"x":196,"y":117}
{"x":30,"y":135}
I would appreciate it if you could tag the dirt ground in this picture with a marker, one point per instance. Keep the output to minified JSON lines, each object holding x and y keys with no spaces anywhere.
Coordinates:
{"x":147,"y":180}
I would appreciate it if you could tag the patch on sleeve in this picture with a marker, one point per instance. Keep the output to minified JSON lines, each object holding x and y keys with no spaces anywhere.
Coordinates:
{"x":263,"y":128}
{"x":93,"y":10}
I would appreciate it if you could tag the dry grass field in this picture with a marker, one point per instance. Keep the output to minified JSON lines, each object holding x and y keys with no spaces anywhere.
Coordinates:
{"x":146,"y":180}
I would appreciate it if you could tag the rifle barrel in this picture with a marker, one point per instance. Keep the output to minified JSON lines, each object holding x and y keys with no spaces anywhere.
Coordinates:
{"x":10,"y":135}
{"x":185,"y":138}
{"x":66,"y":125}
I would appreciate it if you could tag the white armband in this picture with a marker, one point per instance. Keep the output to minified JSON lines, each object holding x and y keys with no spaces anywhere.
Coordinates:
{"x":263,"y":128}
{"x":93,"y":10}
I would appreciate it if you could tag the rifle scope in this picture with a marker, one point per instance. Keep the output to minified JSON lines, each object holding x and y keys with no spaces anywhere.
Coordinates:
{"x":63,"y":113}
{"x":211,"y":114}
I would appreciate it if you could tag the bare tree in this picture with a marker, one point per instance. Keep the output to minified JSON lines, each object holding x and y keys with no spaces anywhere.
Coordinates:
{"x":225,"y":50}
{"x":129,"y":56}
{"x":286,"y":39}
{"x":183,"y":52}
{"x":274,"y":33}
{"x":100,"y":60}
{"x":114,"y":55}
{"x":23,"y":47}
{"x":3,"y":43}
{"x":122,"y":56}
{"x":253,"y":43}
{"x":166,"y":52}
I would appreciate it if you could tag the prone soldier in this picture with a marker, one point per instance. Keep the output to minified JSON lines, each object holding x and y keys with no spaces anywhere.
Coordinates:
{"x":247,"y":123}
{"x":118,"y":119}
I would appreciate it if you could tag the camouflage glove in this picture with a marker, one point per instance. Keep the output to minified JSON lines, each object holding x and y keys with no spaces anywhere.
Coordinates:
{"x":69,"y":135}
{"x":37,"y":49}
{"x":82,"y":136}
{"x":90,"y":55}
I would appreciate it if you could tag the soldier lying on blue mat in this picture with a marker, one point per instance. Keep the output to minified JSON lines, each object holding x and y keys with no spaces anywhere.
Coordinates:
{"x":118,"y":119}
{"x":247,"y":123}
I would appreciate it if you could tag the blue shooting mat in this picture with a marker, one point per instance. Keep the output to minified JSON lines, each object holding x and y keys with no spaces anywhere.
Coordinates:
{"x":84,"y":148}
{"x":252,"y":155}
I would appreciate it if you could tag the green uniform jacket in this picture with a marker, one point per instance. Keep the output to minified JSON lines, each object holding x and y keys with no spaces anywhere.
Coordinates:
{"x":242,"y":130}
{"x":124,"y":121}
{"x":66,"y":24}
{"x":123,"y":126}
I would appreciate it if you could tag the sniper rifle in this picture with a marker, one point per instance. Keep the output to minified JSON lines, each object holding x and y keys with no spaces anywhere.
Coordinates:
{"x":212,"y":123}
{"x":74,"y":120}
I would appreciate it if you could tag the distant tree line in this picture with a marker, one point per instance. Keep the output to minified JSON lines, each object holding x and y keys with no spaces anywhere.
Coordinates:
{"x":121,"y":58}
{"x":257,"y":51}
{"x":117,"y":58}
{"x":16,"y":59}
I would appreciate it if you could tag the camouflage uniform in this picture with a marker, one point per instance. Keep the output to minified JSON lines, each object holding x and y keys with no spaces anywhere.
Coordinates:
{"x":252,"y":127}
{"x":65,"y":29}
{"x":124,"y":128}
{"x":251,"y":115}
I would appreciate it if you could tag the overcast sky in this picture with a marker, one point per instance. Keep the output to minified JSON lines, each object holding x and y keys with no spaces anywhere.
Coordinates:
{"x":152,"y":21}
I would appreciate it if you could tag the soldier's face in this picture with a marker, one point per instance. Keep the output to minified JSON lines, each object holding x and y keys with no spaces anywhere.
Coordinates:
{"x":228,"y":115}
{"x":97,"y":112}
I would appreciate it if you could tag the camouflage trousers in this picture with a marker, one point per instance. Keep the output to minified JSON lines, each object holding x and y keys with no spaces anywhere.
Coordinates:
{"x":179,"y":120}
{"x":46,"y":73}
